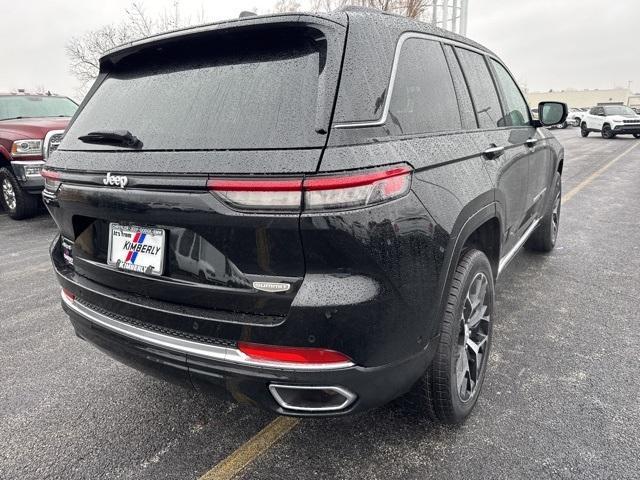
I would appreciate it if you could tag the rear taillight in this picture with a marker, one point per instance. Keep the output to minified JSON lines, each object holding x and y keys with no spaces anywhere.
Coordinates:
{"x":356,"y":190}
{"x":51,"y":180}
{"x":324,"y":192}
{"x":263,"y":194}
{"x":274,"y":353}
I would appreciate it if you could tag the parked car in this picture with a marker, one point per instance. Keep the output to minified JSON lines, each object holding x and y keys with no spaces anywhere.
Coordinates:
{"x":580,"y":115}
{"x":574,"y":116}
{"x":30,"y":127}
{"x":611,"y":120}
{"x":362,"y":225}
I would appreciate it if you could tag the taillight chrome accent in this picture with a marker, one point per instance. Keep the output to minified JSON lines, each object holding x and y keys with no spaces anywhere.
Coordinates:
{"x":51,"y":180}
{"x":345,"y":190}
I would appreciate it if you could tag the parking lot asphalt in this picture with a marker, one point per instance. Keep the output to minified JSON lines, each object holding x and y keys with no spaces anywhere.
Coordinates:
{"x":560,"y":398}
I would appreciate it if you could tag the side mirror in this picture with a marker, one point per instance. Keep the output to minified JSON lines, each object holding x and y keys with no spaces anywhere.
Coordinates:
{"x":552,"y":113}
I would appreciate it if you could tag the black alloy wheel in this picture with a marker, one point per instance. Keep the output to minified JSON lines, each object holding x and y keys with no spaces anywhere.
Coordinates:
{"x":583,"y":130}
{"x":607,"y":132}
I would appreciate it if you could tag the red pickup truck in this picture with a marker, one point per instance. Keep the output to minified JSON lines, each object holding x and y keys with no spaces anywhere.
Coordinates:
{"x":31,"y":127}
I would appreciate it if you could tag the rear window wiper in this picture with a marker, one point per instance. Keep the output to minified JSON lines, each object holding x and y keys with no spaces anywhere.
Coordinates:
{"x":121,"y":138}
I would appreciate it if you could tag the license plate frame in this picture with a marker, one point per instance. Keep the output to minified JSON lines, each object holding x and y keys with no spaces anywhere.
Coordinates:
{"x":126,"y":258}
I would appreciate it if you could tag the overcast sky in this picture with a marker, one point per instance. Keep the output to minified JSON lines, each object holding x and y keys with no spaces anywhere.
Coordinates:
{"x":546,"y":43}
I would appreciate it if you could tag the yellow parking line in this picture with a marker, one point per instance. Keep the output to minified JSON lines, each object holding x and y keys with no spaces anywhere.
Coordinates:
{"x":567,"y":196}
{"x":269,"y":435}
{"x":252,"y":449}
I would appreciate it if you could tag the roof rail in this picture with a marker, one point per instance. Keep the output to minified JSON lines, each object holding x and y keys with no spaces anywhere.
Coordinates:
{"x":358,"y":8}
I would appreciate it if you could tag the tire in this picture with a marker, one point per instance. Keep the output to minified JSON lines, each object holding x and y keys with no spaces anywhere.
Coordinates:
{"x":607,"y":132}
{"x":563,"y":125}
{"x":448,"y":395}
{"x":544,"y":237}
{"x":18,"y":203}
{"x":576,"y":122}
{"x":636,"y":135}
{"x":583,"y":130}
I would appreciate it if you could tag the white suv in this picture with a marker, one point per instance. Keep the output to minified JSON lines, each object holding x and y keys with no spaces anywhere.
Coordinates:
{"x":611,"y":120}
{"x":575,"y":116}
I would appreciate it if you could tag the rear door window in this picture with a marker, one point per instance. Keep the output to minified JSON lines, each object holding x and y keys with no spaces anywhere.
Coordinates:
{"x":423,"y":98}
{"x":483,"y":92}
{"x":517,"y":114}
{"x":462,"y":92}
{"x":252,"y":91}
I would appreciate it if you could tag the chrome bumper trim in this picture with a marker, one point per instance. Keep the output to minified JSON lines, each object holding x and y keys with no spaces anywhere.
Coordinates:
{"x":504,"y":261}
{"x":175,"y":344}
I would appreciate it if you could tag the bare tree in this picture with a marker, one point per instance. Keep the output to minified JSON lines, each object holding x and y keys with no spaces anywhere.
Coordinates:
{"x":409,"y":8}
{"x":284,"y":6}
{"x":84,"y":51}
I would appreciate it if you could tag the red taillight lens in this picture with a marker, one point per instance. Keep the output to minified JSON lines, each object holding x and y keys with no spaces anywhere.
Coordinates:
{"x":263,"y":194}
{"x":320,"y":192}
{"x":51,"y":180}
{"x":356,"y":190}
{"x":271,"y":353}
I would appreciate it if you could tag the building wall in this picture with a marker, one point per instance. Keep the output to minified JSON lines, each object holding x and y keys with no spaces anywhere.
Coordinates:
{"x":585,"y":98}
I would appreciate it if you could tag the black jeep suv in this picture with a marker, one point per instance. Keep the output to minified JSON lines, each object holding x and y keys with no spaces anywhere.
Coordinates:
{"x":305,"y":212}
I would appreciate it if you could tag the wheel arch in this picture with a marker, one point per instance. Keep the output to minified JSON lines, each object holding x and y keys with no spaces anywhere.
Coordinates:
{"x":486,"y":238}
{"x":5,"y":159}
{"x":478,"y":227}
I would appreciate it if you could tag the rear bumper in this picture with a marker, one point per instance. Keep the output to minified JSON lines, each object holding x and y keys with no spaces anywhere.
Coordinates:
{"x":222,"y":369}
{"x":366,"y":287}
{"x":28,"y":174}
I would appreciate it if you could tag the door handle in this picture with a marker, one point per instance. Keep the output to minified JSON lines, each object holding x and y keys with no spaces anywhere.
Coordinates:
{"x":531,"y":142}
{"x":493,"y":152}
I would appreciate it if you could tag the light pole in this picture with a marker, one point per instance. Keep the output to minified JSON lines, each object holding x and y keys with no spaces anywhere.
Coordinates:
{"x":451,"y":15}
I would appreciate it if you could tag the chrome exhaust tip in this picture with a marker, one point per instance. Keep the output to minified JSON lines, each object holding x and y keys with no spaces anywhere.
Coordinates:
{"x":305,"y":398}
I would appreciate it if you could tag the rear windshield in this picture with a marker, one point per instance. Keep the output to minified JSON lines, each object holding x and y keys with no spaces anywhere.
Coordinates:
{"x":258,"y":90}
{"x":27,"y":106}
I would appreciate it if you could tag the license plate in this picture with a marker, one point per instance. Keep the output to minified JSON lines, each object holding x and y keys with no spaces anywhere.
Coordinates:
{"x":137,"y":249}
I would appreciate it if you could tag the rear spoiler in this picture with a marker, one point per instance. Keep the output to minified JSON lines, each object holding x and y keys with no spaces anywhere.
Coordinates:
{"x":330,"y":21}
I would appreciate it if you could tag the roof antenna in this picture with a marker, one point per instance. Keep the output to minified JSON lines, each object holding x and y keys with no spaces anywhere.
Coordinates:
{"x":245,"y":14}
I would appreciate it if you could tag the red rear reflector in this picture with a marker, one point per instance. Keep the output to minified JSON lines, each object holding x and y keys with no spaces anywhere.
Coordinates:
{"x":273,"y":353}
{"x":70,"y":295}
{"x":50,"y":174}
